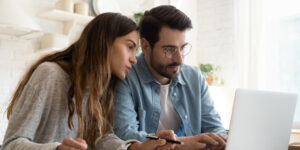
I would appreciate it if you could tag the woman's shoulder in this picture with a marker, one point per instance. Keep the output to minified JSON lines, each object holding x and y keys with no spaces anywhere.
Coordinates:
{"x":49,"y":72}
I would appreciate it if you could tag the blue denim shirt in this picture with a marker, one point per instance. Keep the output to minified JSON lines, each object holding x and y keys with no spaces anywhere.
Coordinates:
{"x":137,"y":103}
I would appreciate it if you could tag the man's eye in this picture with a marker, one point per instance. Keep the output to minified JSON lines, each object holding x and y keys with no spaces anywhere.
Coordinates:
{"x":170,"y":49}
{"x":183,"y":48}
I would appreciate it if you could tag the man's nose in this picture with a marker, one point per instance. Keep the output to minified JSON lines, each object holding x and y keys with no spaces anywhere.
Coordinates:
{"x":178,"y":57}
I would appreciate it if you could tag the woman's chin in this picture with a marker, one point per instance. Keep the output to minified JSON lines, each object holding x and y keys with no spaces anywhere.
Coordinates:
{"x":122,"y":76}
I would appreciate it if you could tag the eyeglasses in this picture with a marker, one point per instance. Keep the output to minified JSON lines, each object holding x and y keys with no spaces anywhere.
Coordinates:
{"x":171,"y":50}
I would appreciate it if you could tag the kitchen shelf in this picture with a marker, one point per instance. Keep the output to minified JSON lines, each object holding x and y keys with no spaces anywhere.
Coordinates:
{"x":69,"y":19}
{"x":47,"y":51}
{"x":65,"y":16}
{"x":12,"y":32}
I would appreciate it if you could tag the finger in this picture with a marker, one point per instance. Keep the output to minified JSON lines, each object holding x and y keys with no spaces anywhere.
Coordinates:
{"x":223,"y":137}
{"x":201,"y":146}
{"x":218,"y":138}
{"x":80,"y":140}
{"x":74,"y":144}
{"x":166,"y":146}
{"x":205,"y":138}
{"x":65,"y":147}
{"x":169,"y":134}
{"x":173,"y":146}
{"x":156,"y":143}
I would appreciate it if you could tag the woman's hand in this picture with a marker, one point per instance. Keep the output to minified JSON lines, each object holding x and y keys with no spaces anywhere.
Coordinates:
{"x":73,"y":144}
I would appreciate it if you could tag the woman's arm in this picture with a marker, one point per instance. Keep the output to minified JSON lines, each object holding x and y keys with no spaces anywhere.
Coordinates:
{"x":39,"y":110}
{"x":24,"y":123}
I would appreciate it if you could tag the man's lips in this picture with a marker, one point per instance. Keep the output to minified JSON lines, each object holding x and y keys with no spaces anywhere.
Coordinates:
{"x":174,"y":68}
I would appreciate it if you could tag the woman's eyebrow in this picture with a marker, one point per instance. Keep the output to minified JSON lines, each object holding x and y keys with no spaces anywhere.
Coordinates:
{"x":134,"y":44}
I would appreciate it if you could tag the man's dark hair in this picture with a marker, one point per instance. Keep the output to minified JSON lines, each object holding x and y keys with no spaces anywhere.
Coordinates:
{"x":165,"y":15}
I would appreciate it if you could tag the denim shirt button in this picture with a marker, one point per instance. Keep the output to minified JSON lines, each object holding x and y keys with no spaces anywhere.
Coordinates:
{"x":174,"y":94}
{"x":185,"y":117}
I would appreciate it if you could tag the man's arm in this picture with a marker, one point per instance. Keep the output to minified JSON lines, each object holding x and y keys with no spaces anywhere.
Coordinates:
{"x":126,"y":124}
{"x":211,"y":120}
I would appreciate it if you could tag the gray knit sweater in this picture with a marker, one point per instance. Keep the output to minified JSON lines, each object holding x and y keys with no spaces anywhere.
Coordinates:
{"x":40,"y":117}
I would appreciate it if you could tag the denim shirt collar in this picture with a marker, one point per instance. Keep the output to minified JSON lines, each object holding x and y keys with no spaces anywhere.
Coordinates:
{"x":147,"y":76}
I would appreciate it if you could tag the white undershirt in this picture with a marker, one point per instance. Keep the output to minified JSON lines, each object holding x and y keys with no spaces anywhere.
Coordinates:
{"x":169,"y":118}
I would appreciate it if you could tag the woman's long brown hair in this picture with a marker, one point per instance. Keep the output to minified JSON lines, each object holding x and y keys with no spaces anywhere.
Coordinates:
{"x":87,"y":61}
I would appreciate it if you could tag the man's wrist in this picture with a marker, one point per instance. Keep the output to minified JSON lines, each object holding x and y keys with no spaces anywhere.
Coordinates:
{"x":134,"y":146}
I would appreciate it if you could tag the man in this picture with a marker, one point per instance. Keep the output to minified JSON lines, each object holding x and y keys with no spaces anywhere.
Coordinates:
{"x":161,"y":93}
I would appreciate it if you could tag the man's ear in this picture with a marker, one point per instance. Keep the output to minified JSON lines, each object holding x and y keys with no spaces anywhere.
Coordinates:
{"x":146,"y":48}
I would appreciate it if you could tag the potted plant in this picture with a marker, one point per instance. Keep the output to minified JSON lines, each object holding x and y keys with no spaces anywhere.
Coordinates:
{"x":211,"y":74}
{"x":137,"y":17}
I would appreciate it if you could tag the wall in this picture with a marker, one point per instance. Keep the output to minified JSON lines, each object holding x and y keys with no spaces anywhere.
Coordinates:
{"x":14,"y":57}
{"x":215,"y":37}
{"x":215,"y":34}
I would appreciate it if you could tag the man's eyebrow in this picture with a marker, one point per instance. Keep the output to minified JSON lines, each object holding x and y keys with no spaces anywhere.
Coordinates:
{"x":184,"y":44}
{"x":134,"y":44}
{"x":168,"y":46}
{"x":174,"y":45}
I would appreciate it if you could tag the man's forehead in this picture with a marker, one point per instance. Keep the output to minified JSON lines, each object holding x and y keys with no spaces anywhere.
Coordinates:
{"x":171,"y":36}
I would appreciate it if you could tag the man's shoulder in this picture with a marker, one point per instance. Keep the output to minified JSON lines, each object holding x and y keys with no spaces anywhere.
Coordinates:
{"x":132,"y":79}
{"x":139,"y":72}
{"x":190,"y":71}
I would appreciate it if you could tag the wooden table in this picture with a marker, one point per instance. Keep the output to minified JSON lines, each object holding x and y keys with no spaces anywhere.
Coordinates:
{"x":294,"y":146}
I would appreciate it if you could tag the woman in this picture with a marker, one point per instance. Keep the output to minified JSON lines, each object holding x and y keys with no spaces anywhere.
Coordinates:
{"x":65,"y":99}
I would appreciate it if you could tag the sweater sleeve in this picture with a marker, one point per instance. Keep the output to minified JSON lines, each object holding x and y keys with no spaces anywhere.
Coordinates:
{"x":31,"y":112}
{"x":24,"y":122}
{"x":25,"y":144}
{"x":112,"y":142}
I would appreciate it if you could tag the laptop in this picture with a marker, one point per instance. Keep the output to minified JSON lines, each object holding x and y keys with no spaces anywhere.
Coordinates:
{"x":261,"y":120}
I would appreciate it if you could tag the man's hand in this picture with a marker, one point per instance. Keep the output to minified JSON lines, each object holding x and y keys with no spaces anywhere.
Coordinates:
{"x":166,"y":134}
{"x":220,"y":146}
{"x":147,"y":145}
{"x":160,"y":144}
{"x":73,"y":144}
{"x":202,"y":142}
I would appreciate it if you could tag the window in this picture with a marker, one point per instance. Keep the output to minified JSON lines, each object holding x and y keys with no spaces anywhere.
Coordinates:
{"x":268,"y":36}
{"x":289,"y":49}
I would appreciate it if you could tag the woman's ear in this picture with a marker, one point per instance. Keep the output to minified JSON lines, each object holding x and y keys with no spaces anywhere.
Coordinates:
{"x":145,"y":46}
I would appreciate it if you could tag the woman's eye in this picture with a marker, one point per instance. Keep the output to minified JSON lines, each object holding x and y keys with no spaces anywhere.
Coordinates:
{"x":130,"y":47}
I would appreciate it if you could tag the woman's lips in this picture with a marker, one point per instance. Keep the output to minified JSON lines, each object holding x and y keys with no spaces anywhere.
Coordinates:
{"x":127,"y":70}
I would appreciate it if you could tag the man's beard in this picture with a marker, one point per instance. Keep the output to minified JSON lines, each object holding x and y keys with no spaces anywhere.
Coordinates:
{"x":161,"y":69}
